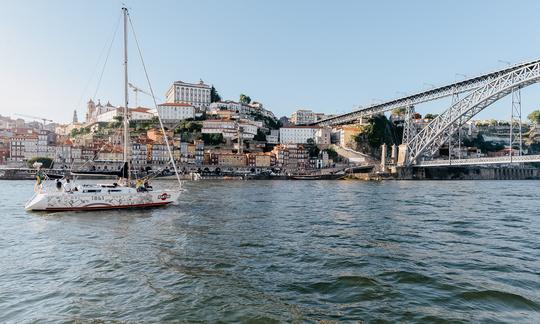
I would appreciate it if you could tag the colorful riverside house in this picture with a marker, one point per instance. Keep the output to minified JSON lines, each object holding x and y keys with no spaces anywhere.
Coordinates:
{"x":261,"y":160}
{"x":231,"y":160}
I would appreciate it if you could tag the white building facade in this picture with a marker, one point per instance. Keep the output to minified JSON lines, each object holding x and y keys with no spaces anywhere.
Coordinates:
{"x":230,"y":128}
{"x":171,"y":112}
{"x":243,"y":110}
{"x":301,"y":134}
{"x":134,"y":114}
{"x":195,"y":94}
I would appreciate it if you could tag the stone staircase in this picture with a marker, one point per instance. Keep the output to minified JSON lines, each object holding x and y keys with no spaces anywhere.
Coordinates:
{"x":353,"y":156}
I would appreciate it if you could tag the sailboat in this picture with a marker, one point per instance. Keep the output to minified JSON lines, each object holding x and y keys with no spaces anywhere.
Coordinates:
{"x":87,"y":197}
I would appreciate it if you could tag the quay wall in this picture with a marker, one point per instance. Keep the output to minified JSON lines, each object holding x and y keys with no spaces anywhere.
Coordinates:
{"x":469,"y":173}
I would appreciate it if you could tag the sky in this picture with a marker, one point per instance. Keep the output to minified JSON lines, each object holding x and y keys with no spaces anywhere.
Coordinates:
{"x":328,"y":56}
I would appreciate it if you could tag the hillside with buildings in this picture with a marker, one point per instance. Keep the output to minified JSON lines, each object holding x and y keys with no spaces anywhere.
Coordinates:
{"x":209,"y":134}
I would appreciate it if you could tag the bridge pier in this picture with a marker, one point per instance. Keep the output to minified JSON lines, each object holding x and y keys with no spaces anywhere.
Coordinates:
{"x":402,"y":155}
{"x":383,"y":157}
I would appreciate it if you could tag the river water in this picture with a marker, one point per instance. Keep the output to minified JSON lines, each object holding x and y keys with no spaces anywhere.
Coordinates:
{"x":280,"y":251}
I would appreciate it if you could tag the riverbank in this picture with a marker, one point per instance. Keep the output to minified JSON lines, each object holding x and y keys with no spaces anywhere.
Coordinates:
{"x":425,"y":173}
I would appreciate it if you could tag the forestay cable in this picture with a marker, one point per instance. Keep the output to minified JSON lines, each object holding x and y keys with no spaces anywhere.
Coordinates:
{"x":155,"y":103}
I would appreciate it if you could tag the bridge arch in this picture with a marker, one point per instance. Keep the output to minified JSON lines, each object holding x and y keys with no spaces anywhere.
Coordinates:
{"x":438,"y":131}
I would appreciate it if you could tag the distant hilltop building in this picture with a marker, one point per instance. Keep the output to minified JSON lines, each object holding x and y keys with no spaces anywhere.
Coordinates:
{"x":303,"y":117}
{"x":306,"y":117}
{"x":234,"y":109}
{"x":195,"y":94}
{"x":93,"y":110}
{"x":108,"y":113}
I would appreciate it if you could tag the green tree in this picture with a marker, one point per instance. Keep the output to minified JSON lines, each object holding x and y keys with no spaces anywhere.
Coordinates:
{"x":312,"y":148}
{"x":245,"y":99}
{"x":399,"y":111}
{"x":377,"y":131}
{"x":430,"y":116}
{"x":333,"y":155}
{"x":188,"y":126}
{"x":214,"y":95}
{"x":484,"y":146}
{"x":74,"y":132}
{"x":45,"y":161}
{"x":269,"y":122}
{"x":212,"y":139}
{"x":534,"y":117}
{"x":117,"y":122}
{"x":261,"y":136}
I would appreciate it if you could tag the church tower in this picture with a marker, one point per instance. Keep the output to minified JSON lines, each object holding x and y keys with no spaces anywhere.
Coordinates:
{"x":75,"y":118}
{"x":90,"y":111}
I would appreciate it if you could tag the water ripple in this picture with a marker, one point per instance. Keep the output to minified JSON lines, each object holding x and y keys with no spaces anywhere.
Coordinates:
{"x":276,"y":251}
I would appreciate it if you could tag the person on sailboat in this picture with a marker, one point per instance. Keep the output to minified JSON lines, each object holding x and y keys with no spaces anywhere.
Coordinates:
{"x":67,"y":186}
{"x":58,"y":185}
{"x":139,"y":185}
{"x":40,"y":176}
{"x":147,"y":185}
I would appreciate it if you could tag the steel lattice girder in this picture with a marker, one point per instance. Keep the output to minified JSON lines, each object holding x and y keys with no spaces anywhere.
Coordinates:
{"x":421,"y":97}
{"x":437,"y":132}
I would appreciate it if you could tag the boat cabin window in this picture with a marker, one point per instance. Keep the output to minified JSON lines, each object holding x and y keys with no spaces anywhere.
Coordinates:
{"x":115,"y":190}
{"x":92,"y":190}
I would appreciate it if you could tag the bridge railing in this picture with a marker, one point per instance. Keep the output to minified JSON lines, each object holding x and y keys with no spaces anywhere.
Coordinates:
{"x":481,"y":161}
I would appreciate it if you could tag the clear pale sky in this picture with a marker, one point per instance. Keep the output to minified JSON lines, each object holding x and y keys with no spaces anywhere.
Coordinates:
{"x":328,"y":56}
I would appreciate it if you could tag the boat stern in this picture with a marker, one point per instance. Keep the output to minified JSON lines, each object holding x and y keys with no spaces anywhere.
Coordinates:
{"x":167,"y":196}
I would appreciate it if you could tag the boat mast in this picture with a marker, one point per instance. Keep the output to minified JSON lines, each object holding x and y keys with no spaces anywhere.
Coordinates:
{"x":126,"y":99}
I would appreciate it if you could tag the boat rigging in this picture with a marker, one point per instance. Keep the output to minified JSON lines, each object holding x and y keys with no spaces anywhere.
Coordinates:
{"x":123,"y":193}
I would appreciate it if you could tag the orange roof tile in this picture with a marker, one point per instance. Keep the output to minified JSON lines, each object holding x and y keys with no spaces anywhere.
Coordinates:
{"x":175,"y":104}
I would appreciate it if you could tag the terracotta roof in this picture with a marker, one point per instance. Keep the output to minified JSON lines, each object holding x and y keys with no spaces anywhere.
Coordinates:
{"x":140,"y":109}
{"x":218,"y":120}
{"x":301,"y":127}
{"x":199,"y":84}
{"x":176,"y":104}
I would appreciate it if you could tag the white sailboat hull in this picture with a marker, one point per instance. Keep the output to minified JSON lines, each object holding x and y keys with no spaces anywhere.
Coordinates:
{"x":124,"y":198}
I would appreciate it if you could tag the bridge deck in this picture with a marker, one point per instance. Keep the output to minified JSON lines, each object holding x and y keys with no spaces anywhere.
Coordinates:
{"x":481,"y":161}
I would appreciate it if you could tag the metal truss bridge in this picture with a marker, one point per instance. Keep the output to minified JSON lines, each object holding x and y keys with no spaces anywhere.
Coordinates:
{"x":420,"y":97}
{"x":478,"y":93}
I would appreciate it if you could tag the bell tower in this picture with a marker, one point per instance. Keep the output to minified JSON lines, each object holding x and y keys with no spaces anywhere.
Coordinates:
{"x":90,"y":111}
